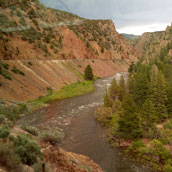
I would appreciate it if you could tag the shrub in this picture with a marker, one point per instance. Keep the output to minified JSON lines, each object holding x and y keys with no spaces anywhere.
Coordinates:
{"x":7,"y":76}
{"x":16,"y":111}
{"x":168,"y":125}
{"x":9,"y":159}
{"x":21,"y":73}
{"x":157,"y":149}
{"x":35,"y":22}
{"x":29,"y":63}
{"x":4,"y":132}
{"x":18,"y":13}
{"x":22,"y":21}
{"x":51,"y":46}
{"x":24,"y":38}
{"x":2,"y":118}
{"x":27,"y":149}
{"x":32,"y":130}
{"x":53,"y":137}
{"x":5,"y":65}
{"x":104,"y":115}
{"x":14,"y":70}
{"x":167,"y":168}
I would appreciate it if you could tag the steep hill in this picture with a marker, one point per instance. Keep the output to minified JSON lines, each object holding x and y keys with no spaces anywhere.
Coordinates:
{"x":23,"y":80}
{"x":151,"y":44}
{"x":29,"y":30}
{"x":33,"y":38}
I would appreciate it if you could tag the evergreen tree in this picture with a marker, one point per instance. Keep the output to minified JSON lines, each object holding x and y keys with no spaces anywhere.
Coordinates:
{"x":114,"y":90}
{"x":122,"y":88}
{"x":130,"y":84}
{"x":107,"y":100}
{"x":168,"y":72}
{"x":141,"y":88}
{"x":169,"y":98}
{"x":131,"y":68}
{"x":88,"y":74}
{"x":129,"y":122}
{"x":159,"y":95}
{"x":148,"y":118}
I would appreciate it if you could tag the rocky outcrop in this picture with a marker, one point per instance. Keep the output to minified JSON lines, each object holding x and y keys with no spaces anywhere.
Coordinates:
{"x":150,"y":44}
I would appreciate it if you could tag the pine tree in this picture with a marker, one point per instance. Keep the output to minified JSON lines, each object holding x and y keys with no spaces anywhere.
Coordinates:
{"x":159,"y":95}
{"x":114,"y":90}
{"x":148,"y":113}
{"x":107,"y":100}
{"x":141,"y":88}
{"x":131,"y":68}
{"x":148,"y":118}
{"x":169,"y":98}
{"x":122,"y":88}
{"x":130,"y":84}
{"x":129,"y":122}
{"x":88,"y":74}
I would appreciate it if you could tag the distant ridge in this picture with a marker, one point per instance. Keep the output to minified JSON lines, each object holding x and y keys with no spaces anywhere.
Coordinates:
{"x":130,"y":36}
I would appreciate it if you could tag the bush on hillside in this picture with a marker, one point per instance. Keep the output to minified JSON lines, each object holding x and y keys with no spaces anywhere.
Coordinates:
{"x":4,"y":132}
{"x":32,"y":130}
{"x":27,"y":149}
{"x":53,"y":137}
{"x":9,"y":159}
{"x":2,"y":118}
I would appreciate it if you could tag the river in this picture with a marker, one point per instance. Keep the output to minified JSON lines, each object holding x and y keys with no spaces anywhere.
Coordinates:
{"x":84,"y":135}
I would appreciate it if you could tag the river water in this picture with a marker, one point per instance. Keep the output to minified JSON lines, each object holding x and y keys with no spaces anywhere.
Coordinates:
{"x":84,"y":135}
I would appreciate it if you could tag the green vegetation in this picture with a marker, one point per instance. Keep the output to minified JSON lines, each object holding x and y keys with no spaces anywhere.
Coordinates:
{"x":13,"y":113}
{"x":16,"y":149}
{"x":32,"y":130}
{"x":141,"y":109}
{"x":26,"y":149}
{"x":71,"y":90}
{"x":54,"y":137}
{"x":9,"y":159}
{"x":17,"y":71}
{"x":6,"y":22}
{"x":88,"y":73}
{"x":4,"y":132}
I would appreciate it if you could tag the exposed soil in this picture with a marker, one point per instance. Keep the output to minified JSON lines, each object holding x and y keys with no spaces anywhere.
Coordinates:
{"x":51,"y":73}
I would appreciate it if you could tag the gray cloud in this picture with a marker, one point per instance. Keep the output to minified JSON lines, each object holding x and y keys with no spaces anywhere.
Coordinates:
{"x":125,"y":13}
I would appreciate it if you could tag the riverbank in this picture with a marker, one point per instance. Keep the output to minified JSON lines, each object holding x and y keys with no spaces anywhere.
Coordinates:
{"x":136,"y":130}
{"x":68,"y":91}
{"x":44,"y":144}
{"x":83,"y":135}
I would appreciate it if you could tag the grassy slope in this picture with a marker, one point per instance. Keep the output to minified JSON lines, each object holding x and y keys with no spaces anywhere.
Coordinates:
{"x":71,"y":90}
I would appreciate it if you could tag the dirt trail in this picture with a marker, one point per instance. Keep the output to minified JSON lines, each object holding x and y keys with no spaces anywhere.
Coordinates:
{"x":84,"y":135}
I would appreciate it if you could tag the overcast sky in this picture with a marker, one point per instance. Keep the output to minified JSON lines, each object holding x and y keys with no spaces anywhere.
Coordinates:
{"x":129,"y":16}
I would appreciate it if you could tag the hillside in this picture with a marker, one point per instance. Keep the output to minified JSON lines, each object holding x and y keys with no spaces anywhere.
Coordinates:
{"x":29,"y":30}
{"x":130,"y":36}
{"x":151,"y":44}
{"x":34,"y":38}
